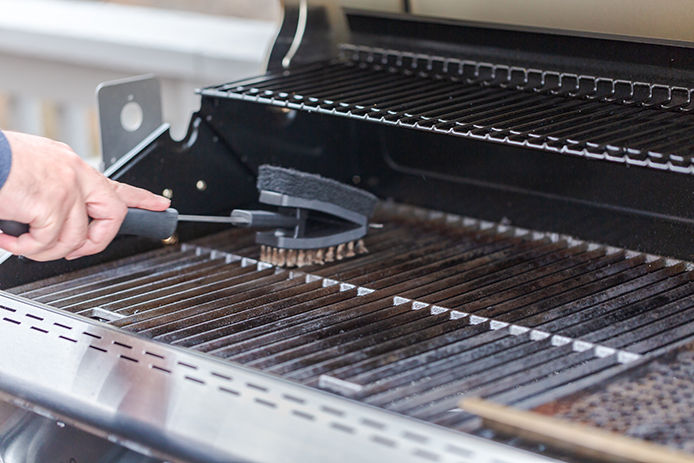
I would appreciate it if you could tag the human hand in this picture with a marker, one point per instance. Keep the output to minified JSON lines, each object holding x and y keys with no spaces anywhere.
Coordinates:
{"x":54,"y":191}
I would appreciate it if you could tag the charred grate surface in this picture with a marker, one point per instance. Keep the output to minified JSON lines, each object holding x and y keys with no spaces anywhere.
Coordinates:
{"x":442,"y":306}
{"x":652,"y":403}
{"x":628,"y":122}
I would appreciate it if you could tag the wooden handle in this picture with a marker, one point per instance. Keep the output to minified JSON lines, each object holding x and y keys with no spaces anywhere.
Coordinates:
{"x":581,"y":439}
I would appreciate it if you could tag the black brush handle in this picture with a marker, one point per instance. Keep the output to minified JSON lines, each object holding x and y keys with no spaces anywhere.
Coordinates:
{"x":12,"y":228}
{"x":150,"y":224}
{"x":138,"y":222}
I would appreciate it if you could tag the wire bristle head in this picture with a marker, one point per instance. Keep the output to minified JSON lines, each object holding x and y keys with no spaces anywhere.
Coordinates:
{"x":350,"y":250}
{"x":303,"y":257}
{"x":361,"y":247}
{"x":340,"y":251}
{"x":291,"y":258}
{"x":330,"y":254}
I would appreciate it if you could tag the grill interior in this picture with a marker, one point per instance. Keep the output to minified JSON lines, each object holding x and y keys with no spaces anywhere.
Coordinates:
{"x":629,"y":122}
{"x":441,"y":307}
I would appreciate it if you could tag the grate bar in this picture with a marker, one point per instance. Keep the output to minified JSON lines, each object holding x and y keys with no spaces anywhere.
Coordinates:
{"x":182,"y":312}
{"x":636,"y":290}
{"x":551,"y":273}
{"x":522,"y":384}
{"x":233,"y":281}
{"x":279,"y":314}
{"x":479,"y":348}
{"x":456,"y":379}
{"x":645,"y":325}
{"x":149,"y":293}
{"x":593,"y":277}
{"x":511,"y":107}
{"x":153,"y":278}
{"x":388,"y":356}
{"x":561,"y":370}
{"x":342,"y":355}
{"x":312,"y":73}
{"x":670,"y":290}
{"x":535,"y":382}
{"x":422,"y":283}
{"x":59,"y":286}
{"x":402,"y":100}
{"x":409,"y":326}
{"x":423,"y":102}
{"x":655,"y":341}
{"x":464,"y":338}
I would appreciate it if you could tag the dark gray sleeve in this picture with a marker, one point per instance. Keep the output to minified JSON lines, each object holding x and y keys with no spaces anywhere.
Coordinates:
{"x":5,"y":159}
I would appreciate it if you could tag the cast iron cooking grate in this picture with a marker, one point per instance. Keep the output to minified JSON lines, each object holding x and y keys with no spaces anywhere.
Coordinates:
{"x":653,"y":402}
{"x":597,"y":117}
{"x":441,"y":307}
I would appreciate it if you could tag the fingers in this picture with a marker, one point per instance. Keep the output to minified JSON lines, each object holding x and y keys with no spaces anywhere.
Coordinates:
{"x":58,"y":236}
{"x":107,"y":212}
{"x":140,"y":198}
{"x":73,"y":235}
{"x":100,"y":233}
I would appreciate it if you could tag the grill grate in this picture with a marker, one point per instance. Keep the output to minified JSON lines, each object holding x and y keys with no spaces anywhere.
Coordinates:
{"x":442,"y":306}
{"x":629,"y":122}
{"x":653,"y":402}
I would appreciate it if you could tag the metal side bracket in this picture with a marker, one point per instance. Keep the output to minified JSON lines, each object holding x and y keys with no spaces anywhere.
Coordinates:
{"x":129,"y":112}
{"x":200,"y":173}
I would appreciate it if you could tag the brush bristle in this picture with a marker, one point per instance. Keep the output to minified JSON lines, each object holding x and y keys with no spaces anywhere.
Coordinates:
{"x":304,"y":257}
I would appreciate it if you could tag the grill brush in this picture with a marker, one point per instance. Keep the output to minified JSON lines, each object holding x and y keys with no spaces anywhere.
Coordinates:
{"x":318,"y":220}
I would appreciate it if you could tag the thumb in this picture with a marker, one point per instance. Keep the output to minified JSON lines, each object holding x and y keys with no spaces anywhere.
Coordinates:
{"x":8,"y":243}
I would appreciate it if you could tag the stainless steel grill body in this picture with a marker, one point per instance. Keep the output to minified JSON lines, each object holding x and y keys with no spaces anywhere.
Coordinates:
{"x":200,"y":352}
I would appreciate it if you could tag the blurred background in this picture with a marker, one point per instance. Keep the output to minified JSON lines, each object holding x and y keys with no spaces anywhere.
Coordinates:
{"x":53,"y":53}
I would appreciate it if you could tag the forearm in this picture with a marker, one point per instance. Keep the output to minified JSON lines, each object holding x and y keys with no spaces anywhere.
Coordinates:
{"x":5,"y":159}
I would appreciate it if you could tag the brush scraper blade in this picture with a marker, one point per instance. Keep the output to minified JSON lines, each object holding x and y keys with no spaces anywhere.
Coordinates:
{"x":313,"y":187}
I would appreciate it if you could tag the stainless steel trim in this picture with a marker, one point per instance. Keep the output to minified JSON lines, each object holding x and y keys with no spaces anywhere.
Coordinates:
{"x":311,"y":30}
{"x":298,"y":37}
{"x":28,"y":437}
